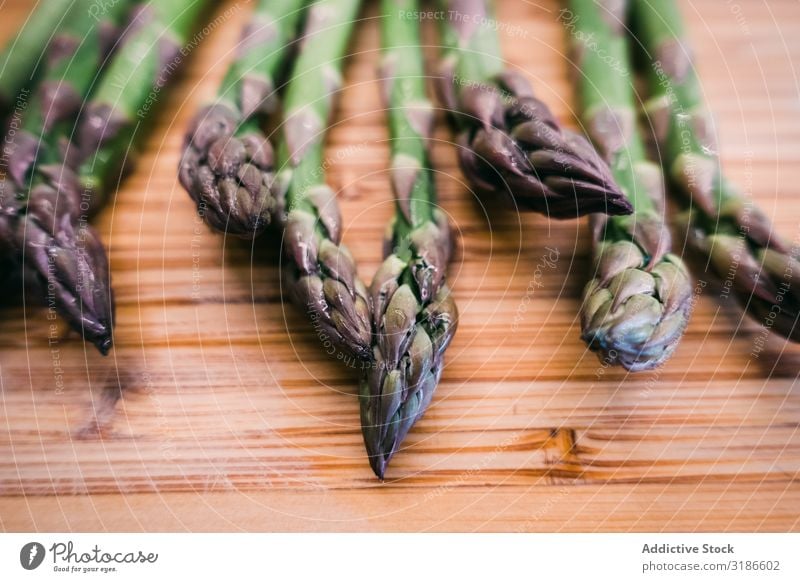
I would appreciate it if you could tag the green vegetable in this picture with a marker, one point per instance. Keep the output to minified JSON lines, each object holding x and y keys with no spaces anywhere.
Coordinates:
{"x":22,"y":57}
{"x":227,"y":166}
{"x":638,"y":302}
{"x":64,"y":263}
{"x":508,"y":140}
{"x":414,"y":315}
{"x":734,"y":237}
{"x":322,"y":278}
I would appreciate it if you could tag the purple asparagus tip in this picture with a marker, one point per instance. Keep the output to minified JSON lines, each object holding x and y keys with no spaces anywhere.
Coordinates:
{"x":228,"y":175}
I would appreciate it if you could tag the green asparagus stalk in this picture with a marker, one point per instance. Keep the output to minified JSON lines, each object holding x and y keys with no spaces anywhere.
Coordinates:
{"x":130,"y":88}
{"x":77,"y":52}
{"x":414,"y":316}
{"x":321,"y":272}
{"x":637,"y":305}
{"x":40,"y":197}
{"x":508,"y":141}
{"x":736,"y":239}
{"x":227,"y":166}
{"x":22,"y":56}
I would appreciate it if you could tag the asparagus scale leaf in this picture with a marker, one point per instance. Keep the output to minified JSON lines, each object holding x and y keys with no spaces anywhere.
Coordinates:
{"x":227,"y":166}
{"x":722,"y":225}
{"x":508,"y":140}
{"x":414,"y":315}
{"x":637,"y":305}
{"x":321,"y":273}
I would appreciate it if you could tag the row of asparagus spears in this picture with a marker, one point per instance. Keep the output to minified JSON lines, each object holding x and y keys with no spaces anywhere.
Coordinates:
{"x":72,"y":137}
{"x":639,"y":298}
{"x":510,"y":147}
{"x":401,"y":324}
{"x":641,"y":295}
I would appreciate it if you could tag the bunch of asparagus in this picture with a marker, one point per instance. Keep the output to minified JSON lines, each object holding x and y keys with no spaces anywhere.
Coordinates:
{"x":69,"y":147}
{"x":734,"y":237}
{"x":41,"y":196}
{"x":637,"y":305}
{"x":229,"y":166}
{"x":76,"y":137}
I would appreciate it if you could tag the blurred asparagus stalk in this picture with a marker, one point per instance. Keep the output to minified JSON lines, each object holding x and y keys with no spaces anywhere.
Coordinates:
{"x":24,"y":55}
{"x":227,"y":166}
{"x":638,"y":302}
{"x":62,"y":256}
{"x":721,"y":224}
{"x":414,"y":316}
{"x":40,"y":197}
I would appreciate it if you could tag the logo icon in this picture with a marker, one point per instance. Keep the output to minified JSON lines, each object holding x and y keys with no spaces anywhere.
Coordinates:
{"x":31,"y":555}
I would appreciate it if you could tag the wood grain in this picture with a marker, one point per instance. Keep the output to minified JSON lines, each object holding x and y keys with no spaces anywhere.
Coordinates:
{"x":218,"y":411}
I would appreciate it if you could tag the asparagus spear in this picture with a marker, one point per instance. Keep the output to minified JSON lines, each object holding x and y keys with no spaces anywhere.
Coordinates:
{"x":414,"y":316}
{"x":227,"y":166}
{"x":508,"y":140}
{"x":40,"y":199}
{"x":322,"y":277}
{"x":21,"y":58}
{"x":66,"y":257}
{"x":637,"y":305}
{"x":722,"y":225}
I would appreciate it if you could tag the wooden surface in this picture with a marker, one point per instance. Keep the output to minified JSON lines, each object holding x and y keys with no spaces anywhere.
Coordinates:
{"x":211,"y":415}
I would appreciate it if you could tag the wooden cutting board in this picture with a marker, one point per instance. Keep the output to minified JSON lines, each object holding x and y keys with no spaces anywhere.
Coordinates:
{"x":218,"y":411}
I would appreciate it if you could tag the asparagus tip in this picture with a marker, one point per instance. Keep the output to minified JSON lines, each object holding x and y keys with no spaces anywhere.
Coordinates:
{"x":378,"y":463}
{"x":228,"y":176}
{"x":104,"y":343}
